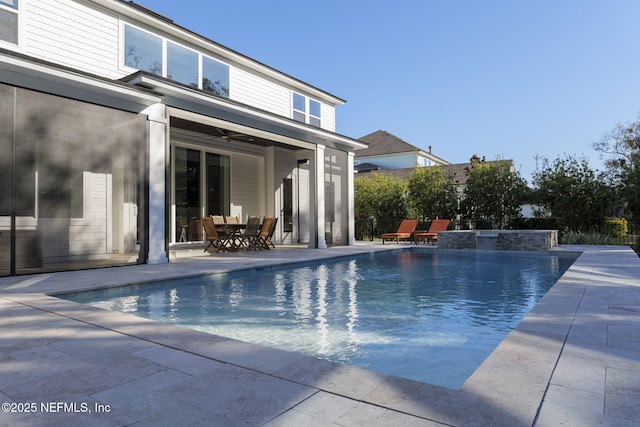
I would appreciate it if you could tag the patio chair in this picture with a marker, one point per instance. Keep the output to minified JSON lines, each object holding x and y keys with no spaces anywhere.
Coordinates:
{"x":231,"y":220}
{"x":405,"y":231}
{"x":216,"y":240}
{"x":432,"y":234}
{"x":251,"y":232}
{"x":267,"y":224}
{"x":268,"y":240}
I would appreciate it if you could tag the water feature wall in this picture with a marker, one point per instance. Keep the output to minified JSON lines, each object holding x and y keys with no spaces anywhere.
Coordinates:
{"x":509,"y":240}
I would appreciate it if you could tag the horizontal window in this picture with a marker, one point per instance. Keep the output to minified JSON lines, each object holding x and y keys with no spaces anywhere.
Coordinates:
{"x":144,"y":51}
{"x":215,"y":77}
{"x":182,"y":65}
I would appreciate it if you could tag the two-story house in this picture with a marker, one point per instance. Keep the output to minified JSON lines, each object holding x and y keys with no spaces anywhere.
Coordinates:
{"x":119,"y":129}
{"x":387,"y":151}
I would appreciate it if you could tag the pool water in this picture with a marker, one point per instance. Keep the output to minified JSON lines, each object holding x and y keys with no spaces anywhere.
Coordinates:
{"x":424,"y":315}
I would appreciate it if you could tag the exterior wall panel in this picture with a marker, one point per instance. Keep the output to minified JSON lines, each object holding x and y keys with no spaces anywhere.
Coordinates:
{"x":245,"y":195}
{"x":328,"y":121}
{"x":252,"y":90}
{"x":68,"y":33}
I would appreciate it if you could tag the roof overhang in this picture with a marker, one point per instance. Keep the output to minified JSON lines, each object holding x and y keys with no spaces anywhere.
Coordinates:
{"x":240,"y":117}
{"x":29,"y":73}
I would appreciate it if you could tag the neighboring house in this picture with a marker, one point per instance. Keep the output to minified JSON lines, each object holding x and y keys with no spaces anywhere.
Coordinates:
{"x":387,"y":151}
{"x":119,"y":129}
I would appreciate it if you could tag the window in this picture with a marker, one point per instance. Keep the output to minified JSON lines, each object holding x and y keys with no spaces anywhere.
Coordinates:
{"x":182,"y":65}
{"x":215,"y":77}
{"x":9,"y":21}
{"x":306,"y":110}
{"x":144,"y":51}
{"x":314,"y":113}
{"x":299,"y":108}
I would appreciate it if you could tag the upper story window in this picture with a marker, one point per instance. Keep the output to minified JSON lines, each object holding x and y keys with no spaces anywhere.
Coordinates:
{"x":148,"y":52}
{"x":306,"y":110}
{"x":142,"y":50}
{"x":182,"y":65}
{"x":9,"y":21}
{"x":215,"y":77}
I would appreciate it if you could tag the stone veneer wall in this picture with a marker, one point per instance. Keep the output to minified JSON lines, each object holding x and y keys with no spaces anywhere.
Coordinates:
{"x":508,"y":240}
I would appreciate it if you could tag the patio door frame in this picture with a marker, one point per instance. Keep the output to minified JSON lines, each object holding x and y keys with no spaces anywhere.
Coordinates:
{"x":174,"y":234}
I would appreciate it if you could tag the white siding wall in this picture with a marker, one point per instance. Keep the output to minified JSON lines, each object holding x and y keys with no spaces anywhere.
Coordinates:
{"x":328,"y":119}
{"x":258,"y":92}
{"x":245,"y":197}
{"x":69,"y":33}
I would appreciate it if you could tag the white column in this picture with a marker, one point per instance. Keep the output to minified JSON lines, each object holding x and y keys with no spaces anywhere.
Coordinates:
{"x":351,"y":201}
{"x":319,"y":197}
{"x":157,"y":126}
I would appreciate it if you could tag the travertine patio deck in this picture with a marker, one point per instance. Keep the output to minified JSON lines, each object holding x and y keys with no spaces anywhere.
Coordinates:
{"x":573,"y":361}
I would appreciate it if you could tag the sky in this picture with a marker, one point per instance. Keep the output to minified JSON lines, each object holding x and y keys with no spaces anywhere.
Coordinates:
{"x":510,"y":79}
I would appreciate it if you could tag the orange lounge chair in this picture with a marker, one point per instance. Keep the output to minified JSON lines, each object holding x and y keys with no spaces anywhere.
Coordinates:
{"x":406,"y":229}
{"x":431,"y":235}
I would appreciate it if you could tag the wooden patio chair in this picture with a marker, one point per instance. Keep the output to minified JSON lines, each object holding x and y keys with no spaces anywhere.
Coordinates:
{"x":405,"y":231}
{"x":231,"y":220}
{"x":431,"y":235}
{"x":268,"y":240}
{"x":217,"y":219}
{"x":265,"y":229}
{"x":216,"y":240}
{"x":251,"y":232}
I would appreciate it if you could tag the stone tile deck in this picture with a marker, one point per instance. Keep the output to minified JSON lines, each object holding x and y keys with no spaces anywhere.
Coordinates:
{"x":573,"y":361}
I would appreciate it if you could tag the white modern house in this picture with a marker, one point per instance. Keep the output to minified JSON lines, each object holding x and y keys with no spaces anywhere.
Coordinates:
{"x":119,"y":129}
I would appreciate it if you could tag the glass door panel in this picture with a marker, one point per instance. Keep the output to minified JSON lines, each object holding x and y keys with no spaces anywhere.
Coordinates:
{"x":187,"y":194}
{"x":218,"y":184}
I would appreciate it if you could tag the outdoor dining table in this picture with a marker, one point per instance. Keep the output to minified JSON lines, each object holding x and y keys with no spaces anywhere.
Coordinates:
{"x":234,"y":231}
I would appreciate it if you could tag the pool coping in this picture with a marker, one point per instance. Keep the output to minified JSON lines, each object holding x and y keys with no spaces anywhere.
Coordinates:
{"x":575,"y":356}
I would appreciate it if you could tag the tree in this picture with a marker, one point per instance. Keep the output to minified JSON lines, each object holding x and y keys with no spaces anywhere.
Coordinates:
{"x":432,"y":194}
{"x":620,"y":148}
{"x":573,"y":192}
{"x":380,"y":196}
{"x":494,"y":193}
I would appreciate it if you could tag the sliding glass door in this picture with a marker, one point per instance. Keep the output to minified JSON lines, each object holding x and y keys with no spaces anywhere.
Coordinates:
{"x":199,"y":190}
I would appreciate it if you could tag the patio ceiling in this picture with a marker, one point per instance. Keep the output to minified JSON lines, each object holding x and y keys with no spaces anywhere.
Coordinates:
{"x":221,"y":132}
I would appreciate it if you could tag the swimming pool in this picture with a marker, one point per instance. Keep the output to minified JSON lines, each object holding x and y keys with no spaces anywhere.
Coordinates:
{"x":425,"y":315}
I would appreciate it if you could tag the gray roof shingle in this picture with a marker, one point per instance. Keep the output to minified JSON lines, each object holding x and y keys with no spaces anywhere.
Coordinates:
{"x":382,"y":142}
